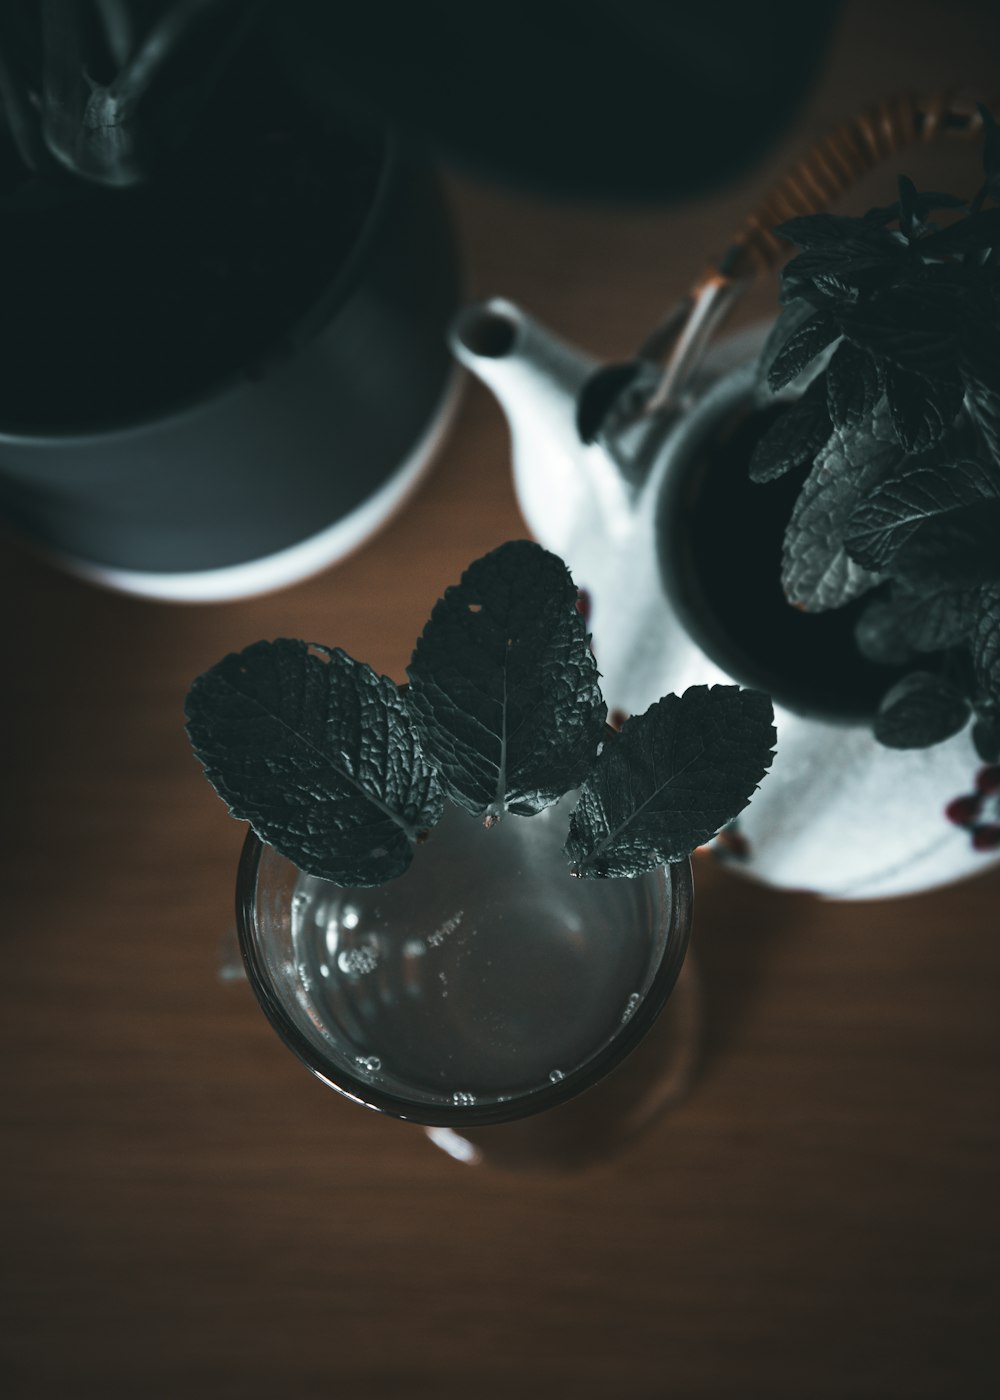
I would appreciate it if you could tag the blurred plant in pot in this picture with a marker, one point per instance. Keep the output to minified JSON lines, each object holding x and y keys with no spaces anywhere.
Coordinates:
{"x":891,"y":331}
{"x":202,"y":261}
{"x":78,"y":82}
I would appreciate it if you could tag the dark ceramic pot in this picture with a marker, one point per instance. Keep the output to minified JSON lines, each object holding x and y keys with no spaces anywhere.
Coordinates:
{"x":287,"y":462}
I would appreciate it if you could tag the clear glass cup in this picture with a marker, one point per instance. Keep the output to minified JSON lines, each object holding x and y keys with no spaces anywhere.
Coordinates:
{"x":485,"y":993}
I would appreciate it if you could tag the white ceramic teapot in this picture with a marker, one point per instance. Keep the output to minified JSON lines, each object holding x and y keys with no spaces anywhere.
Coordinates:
{"x":838,"y":814}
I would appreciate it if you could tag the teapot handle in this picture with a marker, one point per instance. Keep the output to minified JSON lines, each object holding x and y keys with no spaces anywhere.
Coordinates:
{"x":828,"y":169}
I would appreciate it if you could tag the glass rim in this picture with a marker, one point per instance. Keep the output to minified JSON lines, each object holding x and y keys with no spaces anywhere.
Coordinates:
{"x":362,"y":1091}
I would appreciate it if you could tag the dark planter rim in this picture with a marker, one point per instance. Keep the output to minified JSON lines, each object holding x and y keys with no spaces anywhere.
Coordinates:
{"x":328,"y":302}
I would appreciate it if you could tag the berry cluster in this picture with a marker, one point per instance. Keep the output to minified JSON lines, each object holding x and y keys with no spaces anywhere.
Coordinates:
{"x":979,"y":811}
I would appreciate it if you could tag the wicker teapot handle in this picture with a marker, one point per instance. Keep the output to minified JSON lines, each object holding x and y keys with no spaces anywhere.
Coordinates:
{"x":831,"y":167}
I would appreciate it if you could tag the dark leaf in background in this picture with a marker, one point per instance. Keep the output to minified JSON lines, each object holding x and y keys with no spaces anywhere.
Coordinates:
{"x":832,"y":282}
{"x":958,"y":548}
{"x":921,"y":616}
{"x":926,"y":202}
{"x":909,"y":213}
{"x":319,"y":754}
{"x":801,"y":348}
{"x":791,"y":318}
{"x":504,"y":686}
{"x":883,"y":521}
{"x":670,"y":780}
{"x":916,"y":327}
{"x":991,"y":152}
{"x":983,"y":403}
{"x":837,"y":236}
{"x":985,"y":642}
{"x":922,"y":409}
{"x":979,"y":231}
{"x":795,"y":437}
{"x":880,"y":633}
{"x":853,"y":385}
{"x":986,"y":731}
{"x":922,"y":709}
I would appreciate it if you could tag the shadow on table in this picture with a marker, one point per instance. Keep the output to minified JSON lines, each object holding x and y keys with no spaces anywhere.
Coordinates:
{"x":740,"y":930}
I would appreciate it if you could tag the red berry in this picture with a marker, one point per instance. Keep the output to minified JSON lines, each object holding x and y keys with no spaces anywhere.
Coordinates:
{"x":963,"y":811}
{"x":988,"y":780}
{"x":583,"y":603}
{"x":986,"y":838}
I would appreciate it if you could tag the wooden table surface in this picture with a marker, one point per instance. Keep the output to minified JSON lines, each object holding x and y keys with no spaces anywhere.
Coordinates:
{"x":187,"y":1213}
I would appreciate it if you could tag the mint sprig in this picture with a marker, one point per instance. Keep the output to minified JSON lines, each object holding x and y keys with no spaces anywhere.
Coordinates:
{"x":892,"y":324}
{"x":344,"y":773}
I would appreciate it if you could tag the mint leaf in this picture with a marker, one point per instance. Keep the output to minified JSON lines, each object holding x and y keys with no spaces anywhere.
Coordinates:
{"x":922,"y":408}
{"x":670,"y":780}
{"x":986,"y":731}
{"x":983,"y":403}
{"x":795,"y":437}
{"x":957,"y":548}
{"x":503,"y":685}
{"x":917,"y":616}
{"x":916,"y":326}
{"x":817,"y":572}
{"x":985,"y":642}
{"x":882,"y":522}
{"x":853,"y":385}
{"x":800,"y":349}
{"x":980,"y":230}
{"x":836,"y":235}
{"x":790,"y":319}
{"x":925,"y":202}
{"x":880,"y":633}
{"x":319,"y":754}
{"x":921,"y":710}
{"x":909,"y":216}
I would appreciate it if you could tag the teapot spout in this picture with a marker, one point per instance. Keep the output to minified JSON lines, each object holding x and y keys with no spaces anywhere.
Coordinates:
{"x":570,"y":493}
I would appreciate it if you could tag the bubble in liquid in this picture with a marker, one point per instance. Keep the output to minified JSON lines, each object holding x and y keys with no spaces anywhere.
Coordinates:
{"x":449,"y":926}
{"x":368,"y":1064}
{"x":349,"y":916}
{"x":630,"y":1006}
{"x":357,"y":961}
{"x":462,"y":1099}
{"x":556,"y":1075}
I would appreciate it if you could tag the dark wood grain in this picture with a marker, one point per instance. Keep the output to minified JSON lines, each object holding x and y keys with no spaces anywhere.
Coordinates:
{"x":186,"y":1213}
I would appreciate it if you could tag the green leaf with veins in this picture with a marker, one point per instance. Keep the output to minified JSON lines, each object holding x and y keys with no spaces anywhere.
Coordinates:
{"x":817,"y":572}
{"x":883,"y":521}
{"x":504,"y":687}
{"x":922,"y":617}
{"x":791,"y":318}
{"x":670,"y":780}
{"x":795,"y":437}
{"x":985,"y":643}
{"x":800,"y":349}
{"x":319,"y":754}
{"x":923,"y":408}
{"x":853,"y":385}
{"x":922,"y":709}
